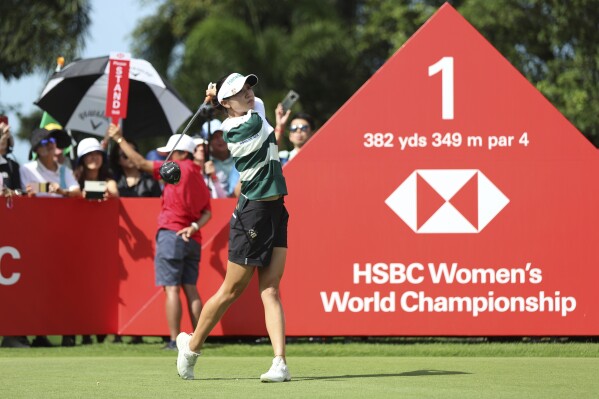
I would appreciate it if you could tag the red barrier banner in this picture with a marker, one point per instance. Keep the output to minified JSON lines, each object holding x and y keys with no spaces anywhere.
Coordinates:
{"x":118,"y":86}
{"x":141,"y":303}
{"x":58,"y":270}
{"x":86,"y":267}
{"x":457,"y":201}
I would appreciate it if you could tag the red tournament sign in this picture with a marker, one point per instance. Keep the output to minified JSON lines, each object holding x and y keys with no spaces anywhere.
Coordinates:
{"x":446,"y":197}
{"x":118,"y":86}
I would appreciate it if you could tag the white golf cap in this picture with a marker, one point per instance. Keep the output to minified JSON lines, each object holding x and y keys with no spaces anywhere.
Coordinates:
{"x":185,"y":144}
{"x":88,"y":145}
{"x":214,"y":125}
{"x":233,"y":85}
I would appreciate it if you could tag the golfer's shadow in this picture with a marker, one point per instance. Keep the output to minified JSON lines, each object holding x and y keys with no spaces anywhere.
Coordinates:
{"x":415,"y":373}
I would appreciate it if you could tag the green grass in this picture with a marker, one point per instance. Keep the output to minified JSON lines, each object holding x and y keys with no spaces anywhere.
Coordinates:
{"x":403,"y":369}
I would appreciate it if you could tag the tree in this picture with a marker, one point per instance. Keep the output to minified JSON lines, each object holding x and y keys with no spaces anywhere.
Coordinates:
{"x":326,"y":49}
{"x":28,"y":123}
{"x":291,"y":46}
{"x":33,"y":33}
{"x":551,"y":42}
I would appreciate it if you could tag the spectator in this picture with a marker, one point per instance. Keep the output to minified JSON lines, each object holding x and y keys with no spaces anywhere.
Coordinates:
{"x":185,"y":209}
{"x":60,"y":153}
{"x":9,"y":169}
{"x":60,"y":179}
{"x":301,"y":130}
{"x":92,"y":165}
{"x":224,"y":165}
{"x":200,"y":155}
{"x":130,"y":181}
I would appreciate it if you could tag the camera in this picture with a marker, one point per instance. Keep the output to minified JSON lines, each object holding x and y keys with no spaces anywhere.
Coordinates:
{"x":94,"y":189}
{"x":41,"y":187}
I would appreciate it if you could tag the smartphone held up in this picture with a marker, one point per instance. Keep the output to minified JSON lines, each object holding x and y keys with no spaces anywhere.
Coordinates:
{"x":290,"y":99}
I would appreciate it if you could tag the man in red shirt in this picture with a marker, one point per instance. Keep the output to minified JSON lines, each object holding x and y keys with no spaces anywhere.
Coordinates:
{"x":185,"y":209}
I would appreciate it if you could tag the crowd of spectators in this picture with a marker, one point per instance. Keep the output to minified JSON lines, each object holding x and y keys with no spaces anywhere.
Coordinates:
{"x":49,"y":173}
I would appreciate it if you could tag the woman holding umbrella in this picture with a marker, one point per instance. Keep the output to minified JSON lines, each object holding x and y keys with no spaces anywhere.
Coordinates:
{"x":185,"y":209}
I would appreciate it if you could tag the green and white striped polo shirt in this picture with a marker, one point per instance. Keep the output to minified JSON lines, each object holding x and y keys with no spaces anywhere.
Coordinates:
{"x":252,"y":143}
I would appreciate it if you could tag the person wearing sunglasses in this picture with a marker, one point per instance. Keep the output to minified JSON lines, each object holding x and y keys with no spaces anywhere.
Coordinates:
{"x":300,"y":131}
{"x":45,"y":176}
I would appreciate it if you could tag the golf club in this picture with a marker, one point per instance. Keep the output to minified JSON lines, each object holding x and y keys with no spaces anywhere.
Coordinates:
{"x":170,"y":171}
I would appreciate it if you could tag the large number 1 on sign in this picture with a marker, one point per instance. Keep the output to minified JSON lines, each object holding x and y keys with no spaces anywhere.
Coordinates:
{"x":445,"y":65}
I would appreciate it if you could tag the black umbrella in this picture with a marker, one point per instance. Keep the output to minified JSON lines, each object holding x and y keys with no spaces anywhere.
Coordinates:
{"x":76,"y":97}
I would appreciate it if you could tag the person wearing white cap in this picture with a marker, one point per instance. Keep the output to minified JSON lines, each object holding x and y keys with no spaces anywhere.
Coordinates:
{"x":185,"y":210}
{"x":92,"y":166}
{"x":258,"y":227}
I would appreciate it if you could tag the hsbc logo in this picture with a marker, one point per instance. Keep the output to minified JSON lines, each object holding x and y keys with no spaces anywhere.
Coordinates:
{"x":447,"y":201}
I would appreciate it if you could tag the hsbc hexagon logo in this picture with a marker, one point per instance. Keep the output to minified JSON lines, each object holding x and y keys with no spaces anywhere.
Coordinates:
{"x":447,"y":201}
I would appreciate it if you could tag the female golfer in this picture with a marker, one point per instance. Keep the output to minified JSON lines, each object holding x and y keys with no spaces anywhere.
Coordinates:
{"x":258,"y":228}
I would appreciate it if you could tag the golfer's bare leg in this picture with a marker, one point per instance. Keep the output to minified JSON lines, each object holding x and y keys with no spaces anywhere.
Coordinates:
{"x":236,"y":280}
{"x":269,"y":279}
{"x":194,"y":303}
{"x":173,"y":310}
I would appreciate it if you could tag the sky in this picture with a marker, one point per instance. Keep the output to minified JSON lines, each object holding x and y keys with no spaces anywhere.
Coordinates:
{"x":112,"y":22}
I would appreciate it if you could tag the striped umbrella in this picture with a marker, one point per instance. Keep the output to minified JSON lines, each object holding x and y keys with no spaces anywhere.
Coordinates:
{"x":76,"y":97}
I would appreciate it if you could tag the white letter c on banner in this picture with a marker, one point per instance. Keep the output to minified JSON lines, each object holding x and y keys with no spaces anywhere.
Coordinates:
{"x":15,"y":255}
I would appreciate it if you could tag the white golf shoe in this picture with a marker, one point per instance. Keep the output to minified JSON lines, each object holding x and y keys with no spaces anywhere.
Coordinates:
{"x":186,"y":359}
{"x":278,"y":372}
